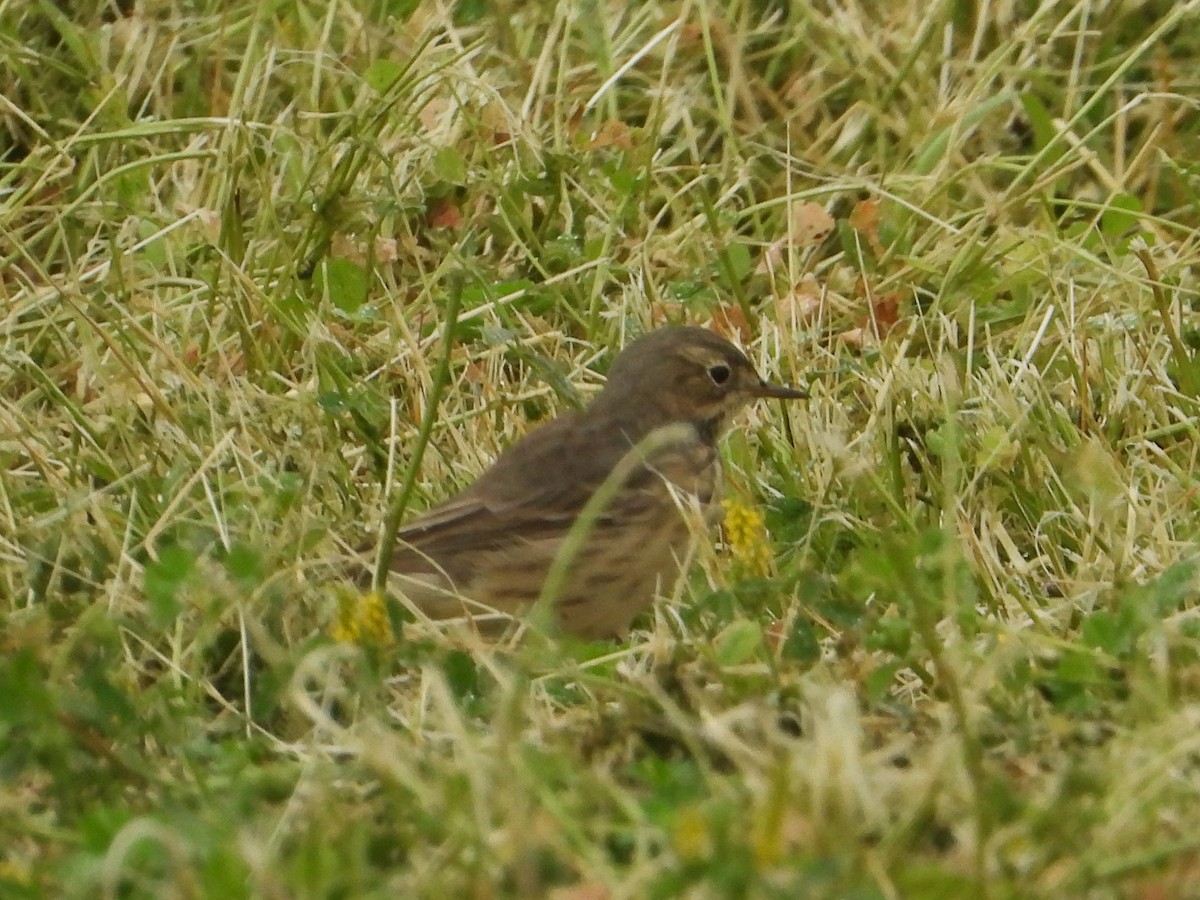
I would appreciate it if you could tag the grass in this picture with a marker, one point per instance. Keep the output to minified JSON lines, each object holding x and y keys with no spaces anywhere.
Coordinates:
{"x":229,"y":237}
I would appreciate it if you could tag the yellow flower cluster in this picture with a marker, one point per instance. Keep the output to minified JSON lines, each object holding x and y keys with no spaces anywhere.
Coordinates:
{"x":363,"y":619}
{"x":746,"y":534}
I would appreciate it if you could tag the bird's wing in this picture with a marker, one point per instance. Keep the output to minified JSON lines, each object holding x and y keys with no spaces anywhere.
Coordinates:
{"x":535,"y":489}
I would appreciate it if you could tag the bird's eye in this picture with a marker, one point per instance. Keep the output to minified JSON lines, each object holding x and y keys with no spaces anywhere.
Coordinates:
{"x":719,"y":373}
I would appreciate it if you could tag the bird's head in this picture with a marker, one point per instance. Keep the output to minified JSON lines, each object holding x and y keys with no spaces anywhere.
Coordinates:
{"x":684,"y":374}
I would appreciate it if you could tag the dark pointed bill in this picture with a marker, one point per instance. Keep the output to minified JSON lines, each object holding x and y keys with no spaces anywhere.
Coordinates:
{"x":780,"y":392}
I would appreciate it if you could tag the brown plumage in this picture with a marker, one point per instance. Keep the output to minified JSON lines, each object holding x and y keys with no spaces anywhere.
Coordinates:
{"x":486,"y":552}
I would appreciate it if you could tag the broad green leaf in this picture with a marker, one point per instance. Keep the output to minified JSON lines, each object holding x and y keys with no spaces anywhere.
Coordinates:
{"x":381,"y":74}
{"x":738,"y":642}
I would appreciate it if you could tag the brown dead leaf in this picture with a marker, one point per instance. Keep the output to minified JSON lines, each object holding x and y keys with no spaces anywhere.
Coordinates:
{"x":662,"y":313}
{"x":691,"y":35}
{"x":804,"y":302}
{"x":885,"y":312}
{"x":882,"y":316}
{"x":474,"y":373}
{"x":342,"y":246}
{"x":864,"y":219}
{"x":386,"y":250}
{"x":495,"y":118}
{"x":771,"y":259}
{"x":442,"y":212}
{"x":776,"y":636}
{"x":882,"y":310}
{"x":342,"y":336}
{"x":235,"y":362}
{"x":810,"y":224}
{"x":865,"y":216}
{"x":858,"y":338}
{"x":431,"y":114}
{"x":730,"y":320}
{"x":575,"y":119}
{"x":210,"y":221}
{"x":410,"y":247}
{"x":613,"y":133}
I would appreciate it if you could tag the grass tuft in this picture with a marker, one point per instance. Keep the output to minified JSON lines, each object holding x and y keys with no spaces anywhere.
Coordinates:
{"x":957,"y":656}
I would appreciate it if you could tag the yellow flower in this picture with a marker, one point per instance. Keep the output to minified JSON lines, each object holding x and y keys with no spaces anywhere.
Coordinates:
{"x":373,"y":619}
{"x":691,"y":835}
{"x":15,"y":873}
{"x":362,"y":618}
{"x":747,"y":536}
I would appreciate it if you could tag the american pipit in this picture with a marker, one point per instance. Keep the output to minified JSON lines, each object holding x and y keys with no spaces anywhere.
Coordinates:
{"x":589,"y":512}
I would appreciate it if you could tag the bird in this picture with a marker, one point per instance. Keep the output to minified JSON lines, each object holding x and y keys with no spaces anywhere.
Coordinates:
{"x":588,"y":513}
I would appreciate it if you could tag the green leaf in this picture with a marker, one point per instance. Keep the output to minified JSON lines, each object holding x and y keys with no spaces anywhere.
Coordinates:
{"x":880,"y":681}
{"x":1078,"y":667}
{"x":1039,"y":120}
{"x":381,"y":74}
{"x":789,"y":518}
{"x":625,"y":181}
{"x":1173,"y":588}
{"x":163,"y":579}
{"x":667,"y":785}
{"x":738,"y":642}
{"x":802,"y":644}
{"x":334,"y":402}
{"x":891,"y":633}
{"x":402,"y":9}
{"x":345,"y":283}
{"x":292,"y":310}
{"x":25,"y":700}
{"x":285,"y":489}
{"x":855,"y":247}
{"x":450,"y":165}
{"x":551,"y":372}
{"x":935,"y":147}
{"x":475,"y":295}
{"x":468,"y":12}
{"x":1121,"y":215}
{"x":99,"y":825}
{"x":244,"y":564}
{"x":740,"y":262}
{"x":462,"y":674}
{"x":1111,"y":633}
{"x":932,"y":882}
{"x":107,"y":704}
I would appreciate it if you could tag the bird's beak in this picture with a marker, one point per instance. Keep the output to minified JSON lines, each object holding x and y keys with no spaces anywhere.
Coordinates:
{"x":778,"y":392}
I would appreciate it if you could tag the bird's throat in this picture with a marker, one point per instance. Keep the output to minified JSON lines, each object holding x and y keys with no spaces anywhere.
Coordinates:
{"x":708,"y":430}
